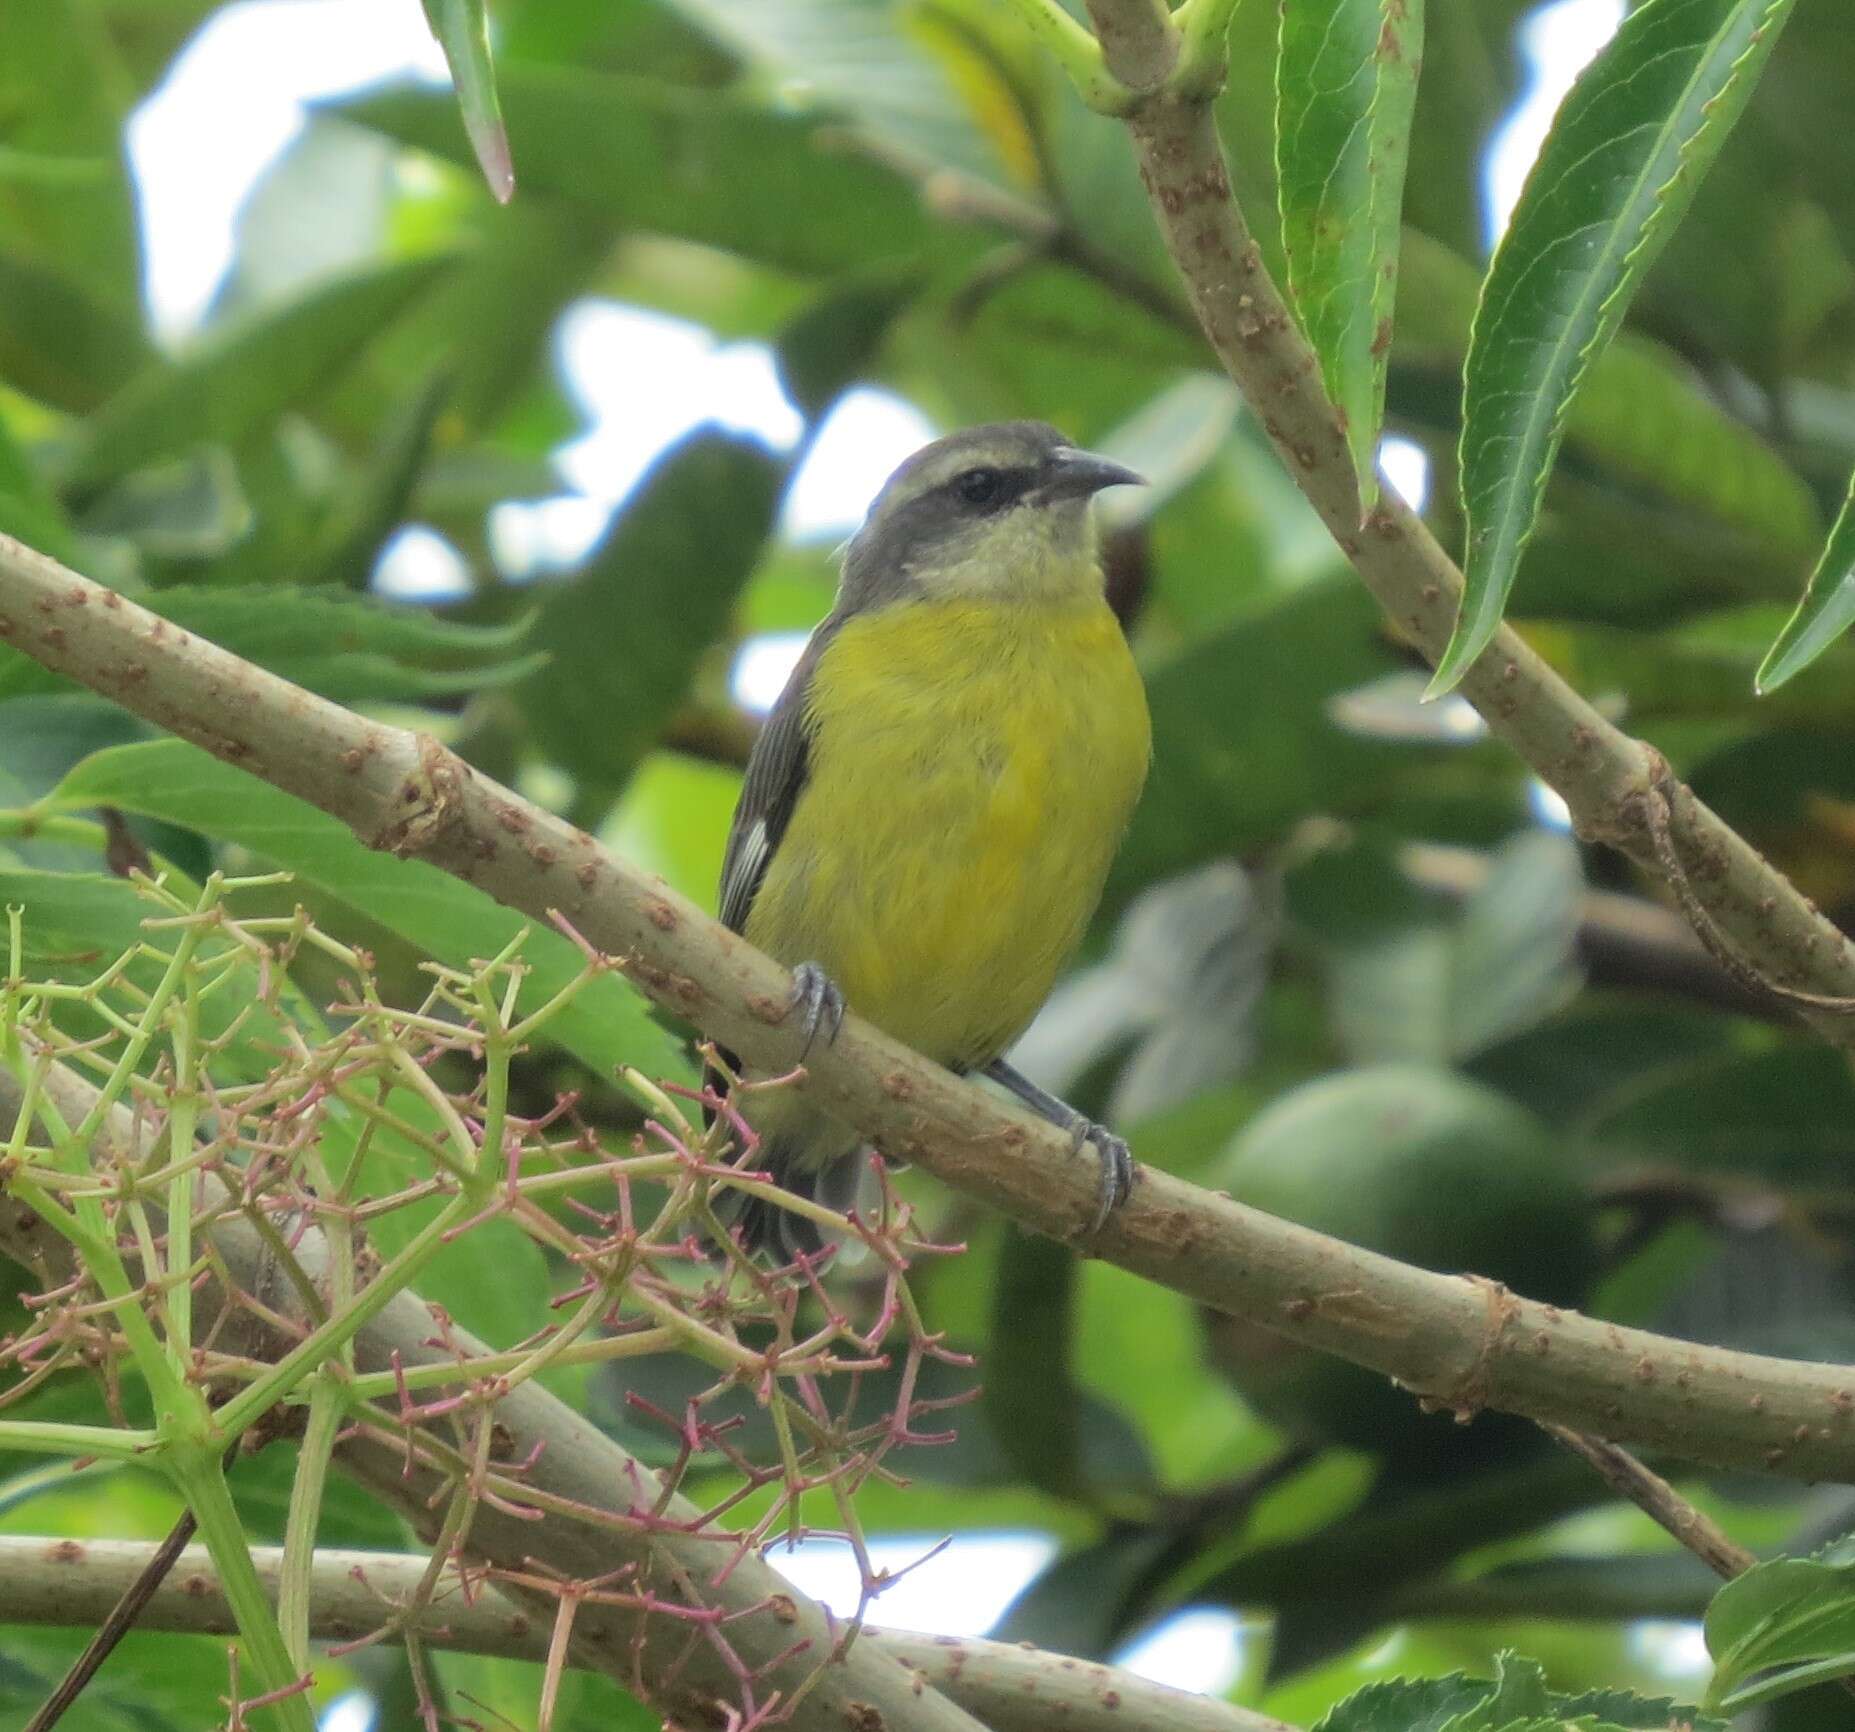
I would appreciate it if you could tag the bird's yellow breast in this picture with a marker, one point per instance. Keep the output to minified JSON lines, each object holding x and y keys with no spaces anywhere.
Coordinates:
{"x":972,"y":767}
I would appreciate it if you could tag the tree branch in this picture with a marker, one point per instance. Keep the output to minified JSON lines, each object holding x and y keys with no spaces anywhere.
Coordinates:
{"x":1009,"y":1687}
{"x":1614,"y":785}
{"x":1461,"y":1342}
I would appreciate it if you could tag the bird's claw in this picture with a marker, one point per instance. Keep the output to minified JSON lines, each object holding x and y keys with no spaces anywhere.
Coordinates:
{"x":1117,"y":1166}
{"x":816,"y":997}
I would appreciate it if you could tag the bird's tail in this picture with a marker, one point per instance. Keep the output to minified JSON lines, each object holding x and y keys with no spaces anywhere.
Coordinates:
{"x":783,"y":1234}
{"x":808,"y":1154}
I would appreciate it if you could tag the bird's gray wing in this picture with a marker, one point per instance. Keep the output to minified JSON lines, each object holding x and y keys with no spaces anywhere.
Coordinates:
{"x":776,"y":774}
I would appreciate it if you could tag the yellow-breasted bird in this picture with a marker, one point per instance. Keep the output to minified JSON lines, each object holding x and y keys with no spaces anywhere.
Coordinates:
{"x":933,"y":804}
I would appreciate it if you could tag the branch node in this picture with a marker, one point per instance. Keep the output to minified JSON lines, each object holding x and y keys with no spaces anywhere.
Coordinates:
{"x":430,"y":802}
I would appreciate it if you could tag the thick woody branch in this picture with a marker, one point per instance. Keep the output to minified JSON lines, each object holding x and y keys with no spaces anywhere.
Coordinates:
{"x":1617,"y":787}
{"x":1460,"y":1342}
{"x":596,"y":1490}
{"x":1009,"y":1687}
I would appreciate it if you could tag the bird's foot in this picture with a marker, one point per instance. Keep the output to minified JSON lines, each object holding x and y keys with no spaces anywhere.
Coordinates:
{"x":821,"y":1006}
{"x":1117,"y":1166}
{"x":1117,"y":1160}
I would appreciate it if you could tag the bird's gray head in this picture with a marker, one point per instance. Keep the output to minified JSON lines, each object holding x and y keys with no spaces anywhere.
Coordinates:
{"x":999,"y":511}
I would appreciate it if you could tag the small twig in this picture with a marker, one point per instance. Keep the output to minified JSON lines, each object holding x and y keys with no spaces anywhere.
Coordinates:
{"x":120,"y":1621}
{"x":1656,"y":1498}
{"x":1659,"y":1500}
{"x":1660,"y":804}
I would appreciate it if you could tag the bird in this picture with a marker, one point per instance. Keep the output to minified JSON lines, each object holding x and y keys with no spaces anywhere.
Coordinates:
{"x":931,"y":808}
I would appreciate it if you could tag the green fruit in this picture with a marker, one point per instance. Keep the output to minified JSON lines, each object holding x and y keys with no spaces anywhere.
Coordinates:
{"x":1422,"y":1165}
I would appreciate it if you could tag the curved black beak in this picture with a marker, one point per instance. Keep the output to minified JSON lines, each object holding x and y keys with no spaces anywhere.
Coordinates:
{"x":1072,"y":474}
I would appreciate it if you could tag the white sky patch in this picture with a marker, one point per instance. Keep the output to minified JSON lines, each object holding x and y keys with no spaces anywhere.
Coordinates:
{"x":230,"y":105}
{"x":762,"y":666}
{"x":354,"y":1712}
{"x":1405,"y":466}
{"x":960,"y":1592}
{"x":1558,"y":42}
{"x":1548,"y":806}
{"x":1676,"y":1650}
{"x":859,"y":446}
{"x":418,"y":564}
{"x":1198,"y":1649}
{"x":645,"y":379}
{"x":530,"y":536}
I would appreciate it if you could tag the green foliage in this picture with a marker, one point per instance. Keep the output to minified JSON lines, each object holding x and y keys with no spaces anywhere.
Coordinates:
{"x":667,"y":575}
{"x":462,"y":28}
{"x":241,"y":380}
{"x":1623,"y":160}
{"x":439,"y":915}
{"x":1367,"y":1156}
{"x":691,"y":164}
{"x":1785,"y":1624}
{"x":1346,"y":87}
{"x":1515,"y":1700}
{"x":348,"y":648}
{"x":1659,"y":414}
{"x":1827,"y":608}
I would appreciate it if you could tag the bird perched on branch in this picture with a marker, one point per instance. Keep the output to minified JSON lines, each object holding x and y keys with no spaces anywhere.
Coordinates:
{"x":931,"y":809}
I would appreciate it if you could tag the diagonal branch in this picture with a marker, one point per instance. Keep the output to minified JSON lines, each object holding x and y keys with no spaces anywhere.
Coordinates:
{"x":1462,"y":1343}
{"x":1007,"y":1686}
{"x":1614,"y":784}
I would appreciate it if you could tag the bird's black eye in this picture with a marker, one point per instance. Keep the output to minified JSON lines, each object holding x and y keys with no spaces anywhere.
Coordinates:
{"x":980,"y":486}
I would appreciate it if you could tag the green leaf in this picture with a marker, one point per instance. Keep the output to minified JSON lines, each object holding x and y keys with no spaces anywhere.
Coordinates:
{"x":693,"y":163}
{"x":1617,"y":172}
{"x":1785,"y":1117}
{"x":503,"y":1693}
{"x":624,"y":633}
{"x":462,"y":29}
{"x":1512,"y":962}
{"x":1409,"y":986}
{"x":344,"y":647}
{"x":864,"y":61}
{"x":1793,"y":1618}
{"x":1030,"y":1397}
{"x":1243,"y":744}
{"x":1515,"y":1700}
{"x":606,"y":1026}
{"x":28,"y":512}
{"x":1177,"y":994}
{"x":240,"y":379}
{"x":1346,"y":87}
{"x":1406,"y":1705}
{"x":1827,"y":608}
{"x":58,"y":341}
{"x":187,"y":508}
{"x":380,"y":504}
{"x":64,"y":95}
{"x":1644,"y":414}
{"x":1646,"y":417}
{"x":827,"y":347}
{"x":1083,"y":1601}
{"x":159,"y":1682}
